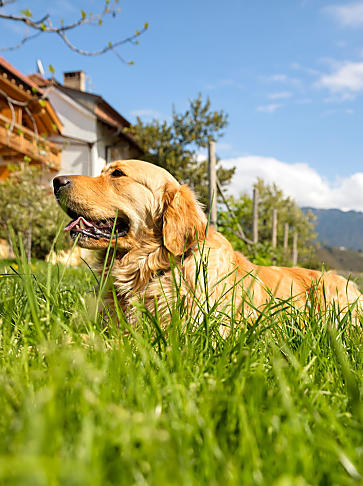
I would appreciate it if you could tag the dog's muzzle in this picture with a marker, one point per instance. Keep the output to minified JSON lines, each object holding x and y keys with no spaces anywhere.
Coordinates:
{"x":60,"y":183}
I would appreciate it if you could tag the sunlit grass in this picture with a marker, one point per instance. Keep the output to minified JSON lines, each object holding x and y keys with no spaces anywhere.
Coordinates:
{"x":84,"y":402}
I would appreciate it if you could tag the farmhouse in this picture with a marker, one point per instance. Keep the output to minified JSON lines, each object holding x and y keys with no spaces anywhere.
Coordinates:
{"x":60,"y":127}
{"x":93,"y":132}
{"x":27,"y":123}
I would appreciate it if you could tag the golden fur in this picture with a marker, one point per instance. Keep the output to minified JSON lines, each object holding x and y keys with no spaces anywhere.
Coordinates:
{"x":167,"y":224}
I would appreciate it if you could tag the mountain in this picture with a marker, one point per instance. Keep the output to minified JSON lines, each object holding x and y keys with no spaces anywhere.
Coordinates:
{"x":338,"y":228}
{"x":339,"y":259}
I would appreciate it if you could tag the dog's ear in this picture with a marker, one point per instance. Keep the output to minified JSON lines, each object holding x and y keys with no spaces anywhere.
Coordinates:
{"x":183,"y":219}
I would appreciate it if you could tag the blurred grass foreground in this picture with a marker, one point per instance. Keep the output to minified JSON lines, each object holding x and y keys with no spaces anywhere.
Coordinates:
{"x":85,"y":402}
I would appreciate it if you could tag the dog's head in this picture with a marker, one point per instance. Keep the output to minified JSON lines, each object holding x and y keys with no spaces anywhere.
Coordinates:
{"x":147,"y":202}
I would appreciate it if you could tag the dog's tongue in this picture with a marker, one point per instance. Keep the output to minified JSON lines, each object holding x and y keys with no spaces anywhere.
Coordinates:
{"x":75,"y":222}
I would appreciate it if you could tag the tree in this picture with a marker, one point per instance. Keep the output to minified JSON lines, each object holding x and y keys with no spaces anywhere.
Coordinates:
{"x":31,"y":209}
{"x":47,"y":24}
{"x":176,"y":145}
{"x":270,"y":197}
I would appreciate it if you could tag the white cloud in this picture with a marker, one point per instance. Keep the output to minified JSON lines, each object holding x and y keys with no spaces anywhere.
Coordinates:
{"x":340,"y":97}
{"x":350,"y":15}
{"x":304,"y":101}
{"x":146,"y":113}
{"x":346,"y":77}
{"x":224,"y":83}
{"x":59,"y":7}
{"x":282,"y":80}
{"x":281,"y":95}
{"x":341,"y":44}
{"x":327,"y":113}
{"x":298,"y":67}
{"x":277,"y":77}
{"x":269,"y":108}
{"x":14,"y":27}
{"x":226,"y":147}
{"x":297,"y":180}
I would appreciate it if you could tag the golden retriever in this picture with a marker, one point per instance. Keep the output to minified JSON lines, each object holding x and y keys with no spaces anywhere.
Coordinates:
{"x":161,"y":235}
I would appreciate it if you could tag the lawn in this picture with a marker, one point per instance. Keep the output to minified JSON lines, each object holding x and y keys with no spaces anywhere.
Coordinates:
{"x":83,"y":402}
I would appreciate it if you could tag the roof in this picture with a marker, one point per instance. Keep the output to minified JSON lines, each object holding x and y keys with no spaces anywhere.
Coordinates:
{"x":103,"y":111}
{"x":24,"y":89}
{"x":95,"y":104}
{"x":21,"y":77}
{"x":101,"y":108}
{"x":38,"y":80}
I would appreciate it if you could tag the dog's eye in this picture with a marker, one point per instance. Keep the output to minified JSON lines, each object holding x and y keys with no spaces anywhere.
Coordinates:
{"x":118,"y":173}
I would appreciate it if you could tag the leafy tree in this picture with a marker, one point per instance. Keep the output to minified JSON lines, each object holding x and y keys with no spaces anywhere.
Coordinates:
{"x":270,"y":197}
{"x":176,"y":145}
{"x":31,"y":209}
{"x":48,"y":24}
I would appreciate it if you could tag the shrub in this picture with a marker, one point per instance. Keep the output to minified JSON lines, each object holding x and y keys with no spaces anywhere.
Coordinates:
{"x":29,"y":207}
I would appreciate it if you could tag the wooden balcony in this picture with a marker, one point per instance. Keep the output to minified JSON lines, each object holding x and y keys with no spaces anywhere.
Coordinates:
{"x":22,"y":142}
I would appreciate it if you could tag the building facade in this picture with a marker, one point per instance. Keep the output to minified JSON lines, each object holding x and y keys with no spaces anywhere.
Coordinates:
{"x":28,"y":123}
{"x":93,"y":132}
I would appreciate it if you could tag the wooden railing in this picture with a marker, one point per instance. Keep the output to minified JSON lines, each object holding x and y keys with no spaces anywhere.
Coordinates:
{"x":25,"y":142}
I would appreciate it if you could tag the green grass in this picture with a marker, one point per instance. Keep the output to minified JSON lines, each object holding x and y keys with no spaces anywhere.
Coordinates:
{"x":85,"y":403}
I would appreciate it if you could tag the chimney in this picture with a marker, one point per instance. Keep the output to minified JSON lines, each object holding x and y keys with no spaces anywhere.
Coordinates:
{"x":75,"y":80}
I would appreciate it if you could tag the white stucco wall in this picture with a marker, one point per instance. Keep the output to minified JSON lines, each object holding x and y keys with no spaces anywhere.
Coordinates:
{"x":76,"y":159}
{"x":78,"y":122}
{"x":84,"y":138}
{"x":110,"y":145}
{"x":78,"y":133}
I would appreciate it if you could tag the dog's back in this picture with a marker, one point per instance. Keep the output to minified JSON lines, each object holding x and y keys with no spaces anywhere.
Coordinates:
{"x":302,"y":284}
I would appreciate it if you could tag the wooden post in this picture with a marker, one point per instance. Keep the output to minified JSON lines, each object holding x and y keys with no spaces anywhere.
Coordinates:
{"x":274,"y":228}
{"x":11,"y":248}
{"x":294,"y":249}
{"x":212,"y":176}
{"x":286,"y":237}
{"x":255,"y":216}
{"x":28,"y":241}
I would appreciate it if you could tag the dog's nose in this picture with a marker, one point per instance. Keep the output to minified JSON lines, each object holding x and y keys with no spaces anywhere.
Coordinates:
{"x":59,"y":182}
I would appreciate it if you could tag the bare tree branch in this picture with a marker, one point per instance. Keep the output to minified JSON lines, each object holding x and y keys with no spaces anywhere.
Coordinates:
{"x":240,"y":233}
{"x":45,"y":26}
{"x":109,"y":47}
{"x":6,"y":2}
{"x":21,"y":43}
{"x":40,"y":24}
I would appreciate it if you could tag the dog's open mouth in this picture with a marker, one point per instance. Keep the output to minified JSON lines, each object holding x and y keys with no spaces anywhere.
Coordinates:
{"x":101,"y":229}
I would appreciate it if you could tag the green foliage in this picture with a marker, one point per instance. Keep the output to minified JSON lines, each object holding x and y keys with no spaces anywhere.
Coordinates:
{"x":274,"y":404}
{"x":26,"y":12}
{"x":270,"y":197}
{"x":51,"y":24}
{"x":175,"y":145}
{"x":29,"y":207}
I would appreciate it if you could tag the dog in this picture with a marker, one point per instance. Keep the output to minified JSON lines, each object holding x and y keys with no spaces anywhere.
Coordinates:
{"x":164,"y":248}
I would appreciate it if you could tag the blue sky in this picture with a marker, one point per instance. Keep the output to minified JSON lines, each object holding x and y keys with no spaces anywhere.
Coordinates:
{"x":289,"y":74}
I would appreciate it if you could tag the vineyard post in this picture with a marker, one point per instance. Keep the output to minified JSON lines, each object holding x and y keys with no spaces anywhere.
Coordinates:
{"x":286,"y":237}
{"x":212,"y":179}
{"x":274,"y":228}
{"x":294,"y":248}
{"x":255,"y":216}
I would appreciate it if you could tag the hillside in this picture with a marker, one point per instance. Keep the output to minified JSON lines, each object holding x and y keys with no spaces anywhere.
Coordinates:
{"x":339,"y":259}
{"x":338,"y":228}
